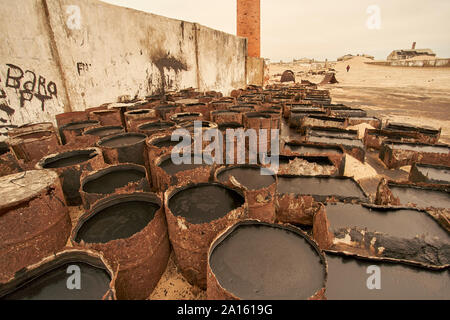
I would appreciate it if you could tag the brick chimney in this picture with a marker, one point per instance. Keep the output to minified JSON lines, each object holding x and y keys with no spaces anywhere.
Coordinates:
{"x":249,"y":24}
{"x":414,"y":46}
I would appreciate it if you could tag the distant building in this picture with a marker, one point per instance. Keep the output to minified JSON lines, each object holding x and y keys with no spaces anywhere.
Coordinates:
{"x":410,"y":53}
{"x":350,"y":56}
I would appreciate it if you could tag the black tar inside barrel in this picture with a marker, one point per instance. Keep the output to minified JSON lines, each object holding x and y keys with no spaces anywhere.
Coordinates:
{"x":117,"y":217}
{"x":262,"y":261}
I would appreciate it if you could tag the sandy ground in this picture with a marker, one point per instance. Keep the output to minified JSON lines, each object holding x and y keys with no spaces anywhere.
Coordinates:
{"x":414,"y":95}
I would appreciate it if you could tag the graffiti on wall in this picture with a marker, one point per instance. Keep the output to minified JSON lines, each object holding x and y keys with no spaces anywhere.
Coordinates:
{"x":27,"y":86}
{"x":22,"y":90}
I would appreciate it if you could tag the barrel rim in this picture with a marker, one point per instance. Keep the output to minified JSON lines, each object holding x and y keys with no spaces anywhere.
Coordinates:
{"x":62,"y":155}
{"x":111,"y":201}
{"x":228,"y":231}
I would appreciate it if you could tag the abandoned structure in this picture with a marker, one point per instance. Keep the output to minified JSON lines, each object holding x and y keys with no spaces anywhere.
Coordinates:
{"x":403,"y":54}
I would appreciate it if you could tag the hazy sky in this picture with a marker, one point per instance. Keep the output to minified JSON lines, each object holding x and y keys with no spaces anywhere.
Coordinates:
{"x":323,"y":28}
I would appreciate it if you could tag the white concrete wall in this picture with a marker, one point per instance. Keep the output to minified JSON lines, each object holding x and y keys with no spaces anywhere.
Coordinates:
{"x":117,"y":51}
{"x":255,"y":71}
{"x":84,"y":53}
{"x":31,"y":87}
{"x":221,"y":60}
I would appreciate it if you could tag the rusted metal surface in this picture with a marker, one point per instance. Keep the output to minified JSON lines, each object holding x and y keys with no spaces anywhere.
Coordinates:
{"x":102,"y":132}
{"x":334,"y":153}
{"x":288,"y":107}
{"x":258,"y":120}
{"x":156,"y":146}
{"x":300,"y":207}
{"x":186,"y":116}
{"x":34,"y":221}
{"x":384,"y":196}
{"x":112,"y":185}
{"x":109,"y":117}
{"x":287,"y":76}
{"x":197,"y":174}
{"x":136,"y":117}
{"x":191,"y":242}
{"x":126,"y":152}
{"x":261,"y":202}
{"x":215,"y":291}
{"x":226,"y":116}
{"x":9,"y":164}
{"x":32,"y":146}
{"x":432,"y":174}
{"x":203,"y":108}
{"x":140,"y":259}
{"x":71,"y":131}
{"x":417,"y":247}
{"x":396,"y":154}
{"x":223,"y":104}
{"x":329,"y":132}
{"x":347,"y":113}
{"x":157,"y":126}
{"x":65,"y":256}
{"x":428,"y":134}
{"x":70,"y":174}
{"x":68,"y":117}
{"x":323,"y":121}
{"x":243,"y":108}
{"x":297,"y":116}
{"x":374,"y":138}
{"x":165,"y":111}
{"x":31,"y":127}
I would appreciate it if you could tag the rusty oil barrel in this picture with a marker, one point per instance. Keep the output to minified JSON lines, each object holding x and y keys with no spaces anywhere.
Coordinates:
{"x":107,"y":117}
{"x":131,"y":232}
{"x":226,"y":116}
{"x":170,"y":174}
{"x":8,"y":163}
{"x":34,"y":220}
{"x":196,"y":214}
{"x":134,"y":118}
{"x":32,"y":146}
{"x":222,"y":104}
{"x":122,"y":178}
{"x":68,"y":117}
{"x":152,"y":127}
{"x":158,"y":145}
{"x":124,"y":148}
{"x":259,"y":189}
{"x":71,"y":131}
{"x":260,"y":261}
{"x":70,"y":165}
{"x":104,"y":131}
{"x":31,"y":127}
{"x":203,"y":108}
{"x":186,"y":116}
{"x":190,"y":125}
{"x":48,"y":279}
{"x":165,"y":111}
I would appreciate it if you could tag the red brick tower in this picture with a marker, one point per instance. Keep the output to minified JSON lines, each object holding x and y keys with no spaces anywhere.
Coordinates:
{"x":249,"y":24}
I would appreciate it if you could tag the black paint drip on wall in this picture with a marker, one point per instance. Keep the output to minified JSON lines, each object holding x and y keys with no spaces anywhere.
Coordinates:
{"x":170,"y":63}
